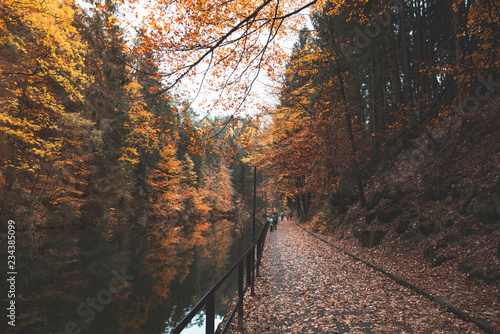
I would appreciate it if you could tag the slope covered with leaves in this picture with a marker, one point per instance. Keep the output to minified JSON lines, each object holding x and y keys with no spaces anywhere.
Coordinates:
{"x":433,"y":216}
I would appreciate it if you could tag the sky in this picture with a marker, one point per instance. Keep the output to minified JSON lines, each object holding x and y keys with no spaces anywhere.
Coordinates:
{"x":263,"y":89}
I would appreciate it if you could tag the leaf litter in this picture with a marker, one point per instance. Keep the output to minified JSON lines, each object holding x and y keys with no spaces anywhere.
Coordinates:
{"x":307,"y":286}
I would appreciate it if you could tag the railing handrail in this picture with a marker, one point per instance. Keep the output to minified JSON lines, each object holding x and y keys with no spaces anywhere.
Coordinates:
{"x":209,"y":296}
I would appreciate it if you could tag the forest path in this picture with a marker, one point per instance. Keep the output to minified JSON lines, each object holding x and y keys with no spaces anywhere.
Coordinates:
{"x":307,"y":286}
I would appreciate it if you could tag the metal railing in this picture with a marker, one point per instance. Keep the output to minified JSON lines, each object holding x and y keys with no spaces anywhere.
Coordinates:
{"x":253,"y":258}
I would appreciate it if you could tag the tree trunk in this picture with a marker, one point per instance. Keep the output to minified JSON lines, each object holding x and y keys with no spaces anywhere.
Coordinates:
{"x":397,"y":95}
{"x":297,"y":205}
{"x":459,"y":42}
{"x":406,"y":62}
{"x":348,"y":119}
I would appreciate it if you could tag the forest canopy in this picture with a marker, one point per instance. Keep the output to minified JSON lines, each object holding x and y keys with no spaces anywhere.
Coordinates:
{"x":92,"y":122}
{"x":89,"y":131}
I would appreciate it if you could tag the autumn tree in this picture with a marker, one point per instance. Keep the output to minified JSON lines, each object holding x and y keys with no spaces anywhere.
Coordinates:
{"x":371,"y":74}
{"x":166,"y":199}
{"x":45,"y":137}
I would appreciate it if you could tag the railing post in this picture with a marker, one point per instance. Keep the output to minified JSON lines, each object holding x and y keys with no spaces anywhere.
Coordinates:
{"x":249,"y":269}
{"x":252,"y":272}
{"x":254,"y":199}
{"x":210,"y":314}
{"x":240,"y":297}
{"x":259,"y":254}
{"x":260,"y":248}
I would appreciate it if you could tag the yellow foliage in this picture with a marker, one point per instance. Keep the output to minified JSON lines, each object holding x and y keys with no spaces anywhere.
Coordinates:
{"x":165,"y":180}
{"x":41,"y":74}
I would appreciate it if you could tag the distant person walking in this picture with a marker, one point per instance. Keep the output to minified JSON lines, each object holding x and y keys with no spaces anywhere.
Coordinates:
{"x":282,"y":215}
{"x":275,"y":220}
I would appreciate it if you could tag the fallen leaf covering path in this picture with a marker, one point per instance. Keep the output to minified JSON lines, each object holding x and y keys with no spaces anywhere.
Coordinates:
{"x":307,"y":286}
{"x":481,"y":323}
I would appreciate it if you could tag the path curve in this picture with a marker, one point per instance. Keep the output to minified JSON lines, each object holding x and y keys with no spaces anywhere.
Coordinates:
{"x":307,"y":286}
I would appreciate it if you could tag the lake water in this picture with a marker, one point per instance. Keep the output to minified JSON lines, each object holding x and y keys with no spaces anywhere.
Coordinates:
{"x":122,"y":278}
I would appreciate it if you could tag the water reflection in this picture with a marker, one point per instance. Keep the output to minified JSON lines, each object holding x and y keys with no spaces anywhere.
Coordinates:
{"x":198,"y":325}
{"x":136,"y":279}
